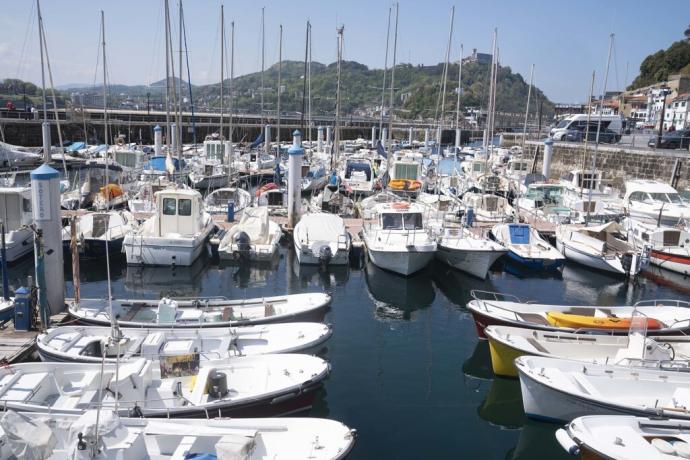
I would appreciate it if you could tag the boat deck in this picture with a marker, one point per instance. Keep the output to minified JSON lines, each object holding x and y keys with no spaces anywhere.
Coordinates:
{"x":16,"y":346}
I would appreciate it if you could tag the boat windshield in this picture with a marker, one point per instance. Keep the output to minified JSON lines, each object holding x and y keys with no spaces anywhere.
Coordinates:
{"x":413,"y":221}
{"x":666,"y":197}
{"x":400,"y":221}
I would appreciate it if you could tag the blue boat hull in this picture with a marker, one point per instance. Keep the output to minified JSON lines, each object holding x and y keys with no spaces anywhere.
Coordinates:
{"x":536,"y":264}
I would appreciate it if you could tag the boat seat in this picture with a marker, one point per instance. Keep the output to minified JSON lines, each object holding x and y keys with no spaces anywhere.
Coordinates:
{"x":200,"y":384}
{"x":8,"y":380}
{"x":89,"y":380}
{"x":585,"y":385}
{"x":24,"y":387}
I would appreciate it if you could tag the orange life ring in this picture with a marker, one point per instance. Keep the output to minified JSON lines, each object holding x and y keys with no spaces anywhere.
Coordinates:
{"x":400,"y":205}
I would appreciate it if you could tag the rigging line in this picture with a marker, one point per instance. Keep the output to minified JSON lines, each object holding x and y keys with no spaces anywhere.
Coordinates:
{"x":155,"y":56}
{"x":211,"y":63}
{"x":21,"y":63}
{"x":189,"y":77}
{"x":98,"y":58}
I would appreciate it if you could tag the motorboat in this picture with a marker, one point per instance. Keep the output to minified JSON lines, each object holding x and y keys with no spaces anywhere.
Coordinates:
{"x":273,"y":197}
{"x":669,"y":246}
{"x":526,"y":247}
{"x":217,"y":201}
{"x":602,"y":247}
{"x":543,"y":201}
{"x":397,"y":238}
{"x":314,"y":177}
{"x":358,"y":174}
{"x":209,"y":170}
{"x":322,"y":239}
{"x":247,"y":386}
{"x":254,"y":162}
{"x":460,"y":248}
{"x":212,"y":312}
{"x":16,"y":216}
{"x":405,"y":174}
{"x":99,"y":230}
{"x":635,"y":349}
{"x":655,"y":202}
{"x":142,"y":200}
{"x":665,"y":317}
{"x":85,"y":343}
{"x":488,"y":207}
{"x":95,"y":181}
{"x":102,"y":434}
{"x":334,"y":199}
{"x":560,"y":390}
{"x":175,"y":235}
{"x":255,"y":237}
{"x":628,"y":437}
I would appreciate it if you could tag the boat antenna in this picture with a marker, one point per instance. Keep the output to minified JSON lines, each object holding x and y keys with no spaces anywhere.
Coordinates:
{"x":335,"y":148}
{"x":601,"y":110}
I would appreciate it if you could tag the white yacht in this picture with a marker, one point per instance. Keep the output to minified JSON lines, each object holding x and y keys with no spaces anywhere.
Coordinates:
{"x":99,"y":230}
{"x":397,"y":239}
{"x":255,"y":237}
{"x":655,"y":202}
{"x":669,"y":246}
{"x":405,"y":174}
{"x":358,"y":174}
{"x":602,"y":247}
{"x":322,"y":239}
{"x":488,"y":207}
{"x":466,"y":251}
{"x":209,"y":170}
{"x":175,"y":235}
{"x":15,"y":213}
{"x":314,"y":177}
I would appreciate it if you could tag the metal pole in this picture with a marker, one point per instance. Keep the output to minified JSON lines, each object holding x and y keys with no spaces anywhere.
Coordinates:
{"x":385,"y":70}
{"x":263,"y":58}
{"x":392,"y":92}
{"x":280,"y":75}
{"x":529,"y":95}
{"x":222,"y":68}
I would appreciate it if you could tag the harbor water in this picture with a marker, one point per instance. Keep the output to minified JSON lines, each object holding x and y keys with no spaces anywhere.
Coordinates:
{"x":408,"y":371}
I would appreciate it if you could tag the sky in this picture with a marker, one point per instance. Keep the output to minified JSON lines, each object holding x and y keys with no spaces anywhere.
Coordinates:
{"x":565,"y":41}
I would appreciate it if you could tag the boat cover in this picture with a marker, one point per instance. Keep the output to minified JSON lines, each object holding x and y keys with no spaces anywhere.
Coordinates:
{"x":519,"y":234}
{"x":255,"y":224}
{"x":74,"y":146}
{"x":320,"y":227}
{"x":27,"y":439}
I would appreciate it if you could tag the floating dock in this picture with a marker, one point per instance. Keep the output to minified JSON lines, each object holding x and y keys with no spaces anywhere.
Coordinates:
{"x":17,"y":346}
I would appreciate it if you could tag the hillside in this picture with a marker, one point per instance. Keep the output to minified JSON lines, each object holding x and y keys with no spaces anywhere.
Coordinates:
{"x":658,"y":66}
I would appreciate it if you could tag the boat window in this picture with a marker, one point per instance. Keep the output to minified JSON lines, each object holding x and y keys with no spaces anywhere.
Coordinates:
{"x":26,"y":205}
{"x":169,"y":206}
{"x":645,"y":237}
{"x":671,"y":238}
{"x":390,"y":221}
{"x":637,"y":196}
{"x":184,"y":207}
{"x":660,"y":197}
{"x":674,"y":198}
{"x":406,"y":171}
{"x":478,"y":167}
{"x":413,"y":221}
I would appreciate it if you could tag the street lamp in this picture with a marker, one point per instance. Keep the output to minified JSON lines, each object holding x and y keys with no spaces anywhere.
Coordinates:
{"x":664,"y":90}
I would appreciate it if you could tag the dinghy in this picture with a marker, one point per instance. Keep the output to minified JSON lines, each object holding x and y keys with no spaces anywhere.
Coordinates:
{"x":623,"y":437}
{"x":255,"y":237}
{"x":217,"y":201}
{"x":59,"y":437}
{"x":507,"y":343}
{"x":526,"y":247}
{"x":601,"y":247}
{"x":194,"y":313}
{"x":177,"y":387}
{"x":322,"y":239}
{"x":560,"y":390}
{"x":85,"y":344}
{"x":462,"y":249}
{"x":666,"y":317}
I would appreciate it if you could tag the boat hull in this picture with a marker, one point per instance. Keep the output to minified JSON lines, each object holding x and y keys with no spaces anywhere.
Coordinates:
{"x":503,"y":358}
{"x":341,"y":257}
{"x":674,"y":262}
{"x":207,"y":182}
{"x":402,"y":262}
{"x":596,"y":261}
{"x":95,"y":249}
{"x":536,"y":263}
{"x":165,"y":251}
{"x":474,"y":262}
{"x":19,"y":243}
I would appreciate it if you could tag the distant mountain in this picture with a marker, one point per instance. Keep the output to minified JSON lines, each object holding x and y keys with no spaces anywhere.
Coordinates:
{"x":657,"y":67}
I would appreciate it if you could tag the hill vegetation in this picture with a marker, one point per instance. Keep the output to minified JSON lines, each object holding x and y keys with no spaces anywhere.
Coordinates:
{"x":657,"y":67}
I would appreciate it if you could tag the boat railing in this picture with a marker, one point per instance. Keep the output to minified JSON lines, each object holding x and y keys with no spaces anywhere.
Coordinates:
{"x":663,"y":303}
{"x":478,"y":294}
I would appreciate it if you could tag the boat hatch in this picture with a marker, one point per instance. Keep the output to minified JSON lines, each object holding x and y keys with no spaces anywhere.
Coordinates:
{"x":519,"y":234}
{"x":100,"y":225}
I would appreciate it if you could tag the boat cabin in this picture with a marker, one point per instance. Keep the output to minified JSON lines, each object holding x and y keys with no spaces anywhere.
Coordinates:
{"x":580,"y":179}
{"x":406,"y":167}
{"x":400,"y":216}
{"x":216,"y":150}
{"x":651,"y":191}
{"x":129,"y":158}
{"x":359,"y":170}
{"x":518,"y":167}
{"x":180,"y":212}
{"x":15,"y":207}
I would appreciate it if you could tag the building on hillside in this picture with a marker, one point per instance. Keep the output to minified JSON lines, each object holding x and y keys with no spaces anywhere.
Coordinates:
{"x":676,"y":113}
{"x":645,"y":104}
{"x":564,"y":109}
{"x":480,"y":58}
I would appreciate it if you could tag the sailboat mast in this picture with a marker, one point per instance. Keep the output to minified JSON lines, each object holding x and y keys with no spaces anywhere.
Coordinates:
{"x":385,"y":70}
{"x":263,"y":61}
{"x":280,"y":81}
{"x":232,"y":86}
{"x":179,"y":88}
{"x":107,"y":191}
{"x":304,"y":81}
{"x":392,"y":93}
{"x":589,"y":116}
{"x":489,"y":114}
{"x":601,"y":110}
{"x":457,"y":106}
{"x":309,"y":80}
{"x":167,"y":78}
{"x":222,"y":67}
{"x":43,"y":72}
{"x":445,"y":79}
{"x":529,"y":96}
{"x":336,"y":141}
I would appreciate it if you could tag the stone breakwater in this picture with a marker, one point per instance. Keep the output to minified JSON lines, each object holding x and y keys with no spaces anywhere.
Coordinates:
{"x":617,"y":164}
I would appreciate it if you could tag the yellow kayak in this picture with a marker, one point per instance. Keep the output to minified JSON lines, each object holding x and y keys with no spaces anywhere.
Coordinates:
{"x":559,"y":319}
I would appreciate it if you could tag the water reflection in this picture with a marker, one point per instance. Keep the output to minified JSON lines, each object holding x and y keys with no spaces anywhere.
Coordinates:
{"x":396,"y":297}
{"x":165,"y":281}
{"x":674,"y":280}
{"x":457,"y":285}
{"x":503,"y":404}
{"x":593,"y":287}
{"x":327,"y":277}
{"x":478,"y":365}
{"x":523,"y":272}
{"x":245,"y":273}
{"x":537,"y":441}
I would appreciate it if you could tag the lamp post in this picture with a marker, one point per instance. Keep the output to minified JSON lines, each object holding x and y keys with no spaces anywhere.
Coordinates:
{"x":664,"y":90}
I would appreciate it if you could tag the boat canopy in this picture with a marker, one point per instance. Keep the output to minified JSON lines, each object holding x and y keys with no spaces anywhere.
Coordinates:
{"x":157,"y":163}
{"x":519,"y":233}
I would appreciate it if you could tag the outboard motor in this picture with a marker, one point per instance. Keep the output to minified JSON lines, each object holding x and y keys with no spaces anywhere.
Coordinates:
{"x":626,"y":262}
{"x":325,"y":254}
{"x":243,"y":243}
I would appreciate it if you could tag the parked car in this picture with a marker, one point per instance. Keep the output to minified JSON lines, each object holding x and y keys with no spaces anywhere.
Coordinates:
{"x":679,"y":139}
{"x":605,"y":135}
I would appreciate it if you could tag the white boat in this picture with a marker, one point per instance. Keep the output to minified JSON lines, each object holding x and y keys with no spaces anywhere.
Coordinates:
{"x":314,"y":177}
{"x":561,"y":390}
{"x":85,"y":344}
{"x":636,"y":349}
{"x":175,"y":235}
{"x":488,"y":207}
{"x":397,"y":239}
{"x":209,"y":170}
{"x":217,"y":201}
{"x":525,"y":246}
{"x":99,"y":230}
{"x":358,"y":174}
{"x":142,"y":200}
{"x":274,"y":198}
{"x":15,"y":213}
{"x":334,"y":200}
{"x":254,"y":162}
{"x":248,"y":386}
{"x":106,"y":436}
{"x":464,"y":250}
{"x":93,"y":188}
{"x":212,"y":312}
{"x":665,"y":317}
{"x":669,"y":246}
{"x":626,"y":437}
{"x":14,"y":155}
{"x":654,"y":202}
{"x":322,"y":239}
{"x":601,"y":247}
{"x":255,"y":237}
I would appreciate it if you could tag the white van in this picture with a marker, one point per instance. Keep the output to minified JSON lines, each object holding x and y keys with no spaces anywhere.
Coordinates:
{"x":579,"y":121}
